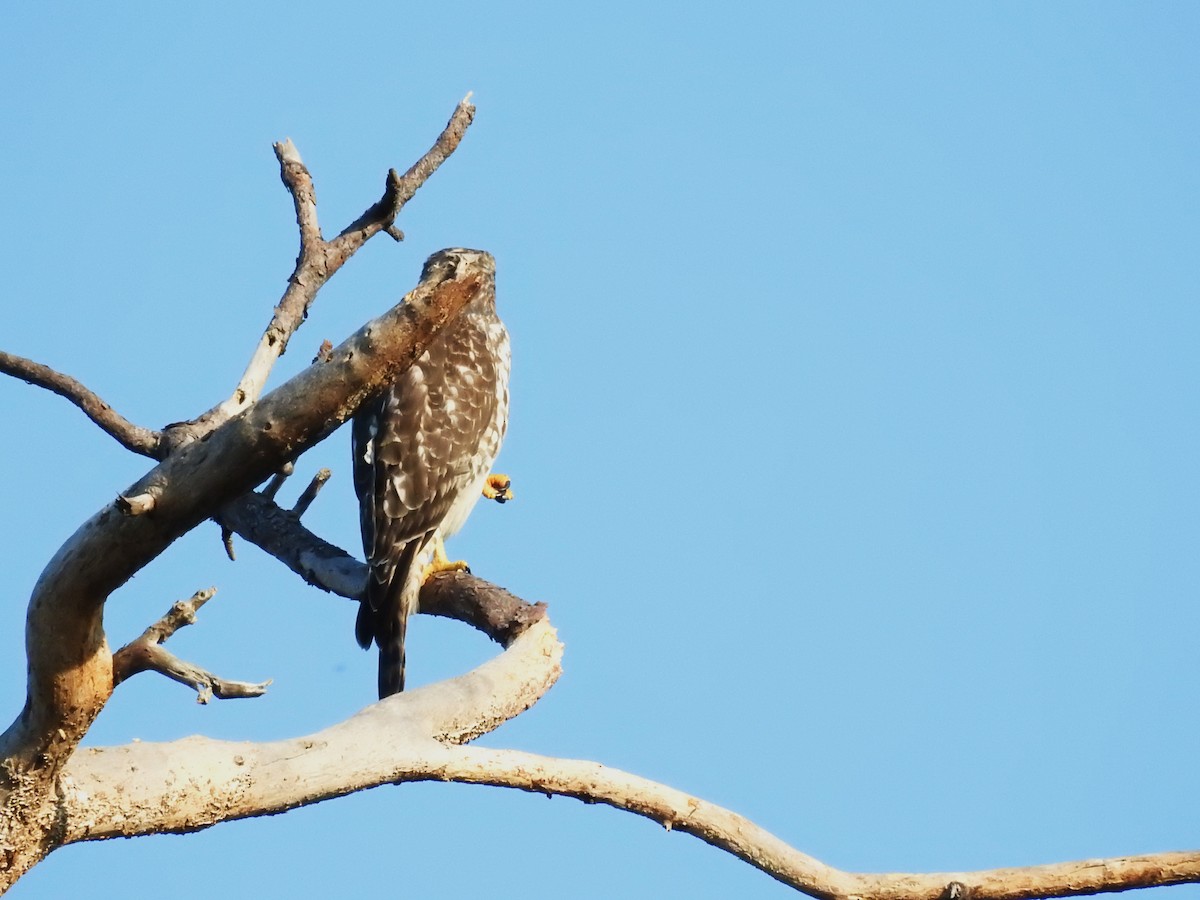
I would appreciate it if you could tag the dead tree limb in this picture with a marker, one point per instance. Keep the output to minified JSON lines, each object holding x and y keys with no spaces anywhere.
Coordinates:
{"x":191,"y":784}
{"x":132,"y":437}
{"x":453,"y":595}
{"x":197,"y":782}
{"x":209,"y":462}
{"x":147,"y":654}
{"x":309,"y":494}
{"x":69,"y":664}
{"x":319,"y":259}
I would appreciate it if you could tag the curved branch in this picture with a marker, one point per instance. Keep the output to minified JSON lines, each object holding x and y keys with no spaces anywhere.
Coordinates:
{"x":132,"y":437}
{"x":677,"y":811}
{"x":673,"y":809}
{"x":486,"y":607}
{"x":193,"y":783}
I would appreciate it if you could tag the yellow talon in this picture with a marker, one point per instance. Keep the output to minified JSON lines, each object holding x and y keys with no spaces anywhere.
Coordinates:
{"x":498,"y":487}
{"x":442,"y":563}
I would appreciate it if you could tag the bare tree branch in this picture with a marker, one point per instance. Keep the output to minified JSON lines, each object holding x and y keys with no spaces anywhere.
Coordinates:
{"x":259,"y":520}
{"x":278,"y":479}
{"x":317,"y":262}
{"x":196,"y":782}
{"x":319,"y":259}
{"x":675,"y":810}
{"x":69,"y":664}
{"x":146,"y":654}
{"x":304,"y":194}
{"x":304,"y":501}
{"x":486,"y":607}
{"x":400,"y":189}
{"x":132,"y":437}
{"x":181,"y":614}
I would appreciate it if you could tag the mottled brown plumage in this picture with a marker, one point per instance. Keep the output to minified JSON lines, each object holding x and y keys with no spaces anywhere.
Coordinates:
{"x":422,"y":452}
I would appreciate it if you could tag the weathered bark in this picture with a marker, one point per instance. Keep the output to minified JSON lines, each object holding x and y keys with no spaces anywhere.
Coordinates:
{"x":70,"y":666}
{"x":189,"y":784}
{"x":207,"y":462}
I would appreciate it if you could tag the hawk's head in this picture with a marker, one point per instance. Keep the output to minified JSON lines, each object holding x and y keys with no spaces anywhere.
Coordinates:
{"x":458,"y":262}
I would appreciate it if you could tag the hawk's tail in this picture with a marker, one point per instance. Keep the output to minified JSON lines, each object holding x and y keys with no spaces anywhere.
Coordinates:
{"x":391,"y":655}
{"x":383,"y":616}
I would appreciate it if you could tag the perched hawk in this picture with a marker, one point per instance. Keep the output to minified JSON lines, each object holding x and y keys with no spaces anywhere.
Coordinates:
{"x":423,"y":451}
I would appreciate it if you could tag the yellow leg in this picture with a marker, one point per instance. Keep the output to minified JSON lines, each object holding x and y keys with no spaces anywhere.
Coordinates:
{"x":441,"y":562}
{"x":498,"y":487}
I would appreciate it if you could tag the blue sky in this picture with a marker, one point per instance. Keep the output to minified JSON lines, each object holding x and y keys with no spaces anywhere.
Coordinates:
{"x":854,"y":428}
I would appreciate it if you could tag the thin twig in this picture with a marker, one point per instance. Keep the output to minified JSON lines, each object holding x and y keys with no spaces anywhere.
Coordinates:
{"x":298,"y":181}
{"x":277,"y":480}
{"x":132,"y":437}
{"x":304,"y":501}
{"x":399,"y":189}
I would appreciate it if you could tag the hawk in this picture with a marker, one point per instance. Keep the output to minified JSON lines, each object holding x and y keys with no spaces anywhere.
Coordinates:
{"x":423,"y":453}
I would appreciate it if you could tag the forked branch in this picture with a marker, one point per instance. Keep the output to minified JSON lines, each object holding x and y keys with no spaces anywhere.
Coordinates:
{"x":147,"y":654}
{"x":401,"y":188}
{"x":207,"y":462}
{"x":320,"y":259}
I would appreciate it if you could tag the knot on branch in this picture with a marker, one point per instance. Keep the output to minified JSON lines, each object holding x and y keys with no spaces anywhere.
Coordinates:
{"x":136,"y":504}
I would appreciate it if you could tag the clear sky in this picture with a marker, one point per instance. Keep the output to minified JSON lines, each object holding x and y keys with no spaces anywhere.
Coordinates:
{"x":854,"y":429}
